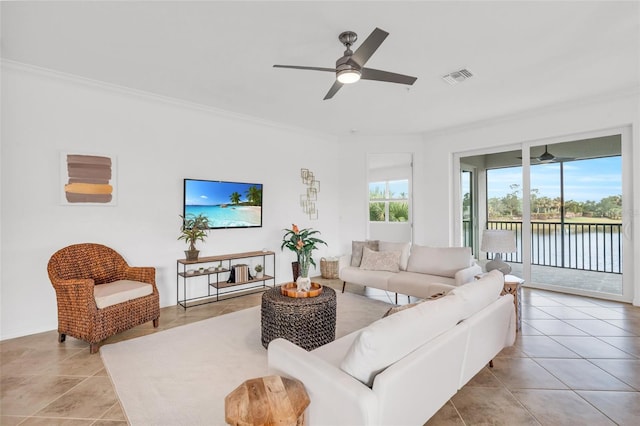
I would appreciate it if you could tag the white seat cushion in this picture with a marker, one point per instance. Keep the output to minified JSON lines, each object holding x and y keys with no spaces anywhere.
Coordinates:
{"x":120,"y":291}
{"x":376,"y":279}
{"x":419,"y":285}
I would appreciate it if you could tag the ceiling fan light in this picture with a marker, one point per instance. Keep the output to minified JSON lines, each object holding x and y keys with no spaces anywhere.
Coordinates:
{"x":348,"y":76}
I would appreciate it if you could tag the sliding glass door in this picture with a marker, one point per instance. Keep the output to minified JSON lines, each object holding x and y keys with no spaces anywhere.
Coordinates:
{"x":576,"y":215}
{"x":565,"y":203}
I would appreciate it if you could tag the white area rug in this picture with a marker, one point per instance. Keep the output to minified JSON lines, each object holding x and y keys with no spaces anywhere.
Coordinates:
{"x":181,"y":376}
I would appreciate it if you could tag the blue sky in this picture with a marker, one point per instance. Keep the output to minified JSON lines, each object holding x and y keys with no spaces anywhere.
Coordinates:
{"x":209,"y":193}
{"x":584,"y":179}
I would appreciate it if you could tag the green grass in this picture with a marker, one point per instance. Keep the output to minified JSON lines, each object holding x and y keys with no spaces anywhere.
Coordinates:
{"x":598,"y":220}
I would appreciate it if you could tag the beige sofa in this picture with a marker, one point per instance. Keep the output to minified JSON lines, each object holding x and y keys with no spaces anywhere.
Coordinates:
{"x":401,"y":369}
{"x":419,"y":271}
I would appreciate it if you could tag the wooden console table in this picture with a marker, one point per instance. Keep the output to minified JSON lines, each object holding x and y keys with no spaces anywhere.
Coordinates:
{"x":216,"y":270}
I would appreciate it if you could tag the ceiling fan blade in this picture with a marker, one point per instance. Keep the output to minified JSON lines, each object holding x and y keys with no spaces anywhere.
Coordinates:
{"x":391,"y":77}
{"x":297,"y":67}
{"x":334,"y":89}
{"x":369,"y":46}
{"x":561,"y":159}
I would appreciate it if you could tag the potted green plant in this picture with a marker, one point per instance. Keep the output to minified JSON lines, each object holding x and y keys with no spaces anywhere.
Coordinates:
{"x":259,"y":270}
{"x":194,"y":228}
{"x":302,"y":243}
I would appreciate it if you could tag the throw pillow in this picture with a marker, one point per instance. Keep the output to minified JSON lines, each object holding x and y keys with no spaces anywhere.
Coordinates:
{"x":356,"y":250}
{"x":403,"y":248}
{"x":380,"y":260}
{"x":401,"y":308}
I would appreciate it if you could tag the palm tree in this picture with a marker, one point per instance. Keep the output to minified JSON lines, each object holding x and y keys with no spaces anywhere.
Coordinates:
{"x":376,"y":212}
{"x":254,"y":195}
{"x":235,"y":198}
{"x":398,"y":212}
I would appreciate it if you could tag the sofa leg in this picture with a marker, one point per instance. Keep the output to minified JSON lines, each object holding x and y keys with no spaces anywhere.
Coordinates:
{"x":344,"y":283}
{"x":491,"y":364}
{"x":408,"y":299}
{"x":93,"y":347}
{"x":396,"y":298}
{"x":156,"y":322}
{"x":62,"y":337}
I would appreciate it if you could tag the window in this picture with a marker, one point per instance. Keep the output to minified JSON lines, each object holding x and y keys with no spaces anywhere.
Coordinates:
{"x":389,"y":201}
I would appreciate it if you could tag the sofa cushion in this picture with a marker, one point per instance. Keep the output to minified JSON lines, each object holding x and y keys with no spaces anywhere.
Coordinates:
{"x":400,"y":308}
{"x":375,"y":279}
{"x":390,"y":339}
{"x":380,"y":260}
{"x":419,"y":285}
{"x":403,"y":248}
{"x":356,"y":250}
{"x":480,"y":293}
{"x":119,"y":291}
{"x":443,"y":261}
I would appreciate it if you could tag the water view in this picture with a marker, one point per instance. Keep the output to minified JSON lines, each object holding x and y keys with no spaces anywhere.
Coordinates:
{"x":226,"y":216}
{"x":225,"y":204}
{"x":576,"y":212}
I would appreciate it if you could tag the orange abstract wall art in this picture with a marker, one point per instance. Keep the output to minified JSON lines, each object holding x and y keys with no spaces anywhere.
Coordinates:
{"x":88,"y":179}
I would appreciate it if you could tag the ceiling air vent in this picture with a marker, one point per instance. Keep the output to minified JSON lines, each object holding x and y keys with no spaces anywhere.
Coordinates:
{"x":457,"y":76}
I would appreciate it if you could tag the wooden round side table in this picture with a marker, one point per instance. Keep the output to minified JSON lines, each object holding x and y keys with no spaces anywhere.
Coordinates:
{"x":271,"y":400}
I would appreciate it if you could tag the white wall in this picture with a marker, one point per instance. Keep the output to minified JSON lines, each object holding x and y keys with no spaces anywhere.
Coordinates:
{"x":354,"y":193}
{"x":157,"y":143}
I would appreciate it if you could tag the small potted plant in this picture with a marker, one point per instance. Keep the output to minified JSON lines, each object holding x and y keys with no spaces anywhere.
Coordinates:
{"x":259,"y":269}
{"x":194,"y":228}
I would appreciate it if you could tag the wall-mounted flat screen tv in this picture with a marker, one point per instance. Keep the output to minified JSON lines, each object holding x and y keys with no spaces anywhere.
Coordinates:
{"x":226,"y":204}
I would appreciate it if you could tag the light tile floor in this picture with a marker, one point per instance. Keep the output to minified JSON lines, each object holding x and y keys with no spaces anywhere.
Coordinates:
{"x":575,"y":361}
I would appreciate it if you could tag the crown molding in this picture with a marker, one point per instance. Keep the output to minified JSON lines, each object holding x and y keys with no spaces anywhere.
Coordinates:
{"x":150,"y":96}
{"x":626,"y":92}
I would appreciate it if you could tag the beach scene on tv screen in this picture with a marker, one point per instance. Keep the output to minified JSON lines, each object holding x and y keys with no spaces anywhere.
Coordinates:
{"x":226,"y":204}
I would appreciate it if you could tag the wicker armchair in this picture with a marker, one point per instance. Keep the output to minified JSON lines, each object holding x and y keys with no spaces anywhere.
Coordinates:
{"x":75,"y":270}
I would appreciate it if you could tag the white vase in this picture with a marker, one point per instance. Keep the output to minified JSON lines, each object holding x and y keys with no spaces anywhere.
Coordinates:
{"x":303,"y":283}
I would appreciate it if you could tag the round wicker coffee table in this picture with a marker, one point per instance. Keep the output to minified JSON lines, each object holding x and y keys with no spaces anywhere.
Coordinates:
{"x":307,"y":322}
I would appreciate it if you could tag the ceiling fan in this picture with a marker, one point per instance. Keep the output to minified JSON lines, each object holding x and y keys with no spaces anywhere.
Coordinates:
{"x":547,"y":157}
{"x":350,"y":67}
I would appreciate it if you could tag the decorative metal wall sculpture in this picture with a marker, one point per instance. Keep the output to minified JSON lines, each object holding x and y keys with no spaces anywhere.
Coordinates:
{"x":309,"y":198}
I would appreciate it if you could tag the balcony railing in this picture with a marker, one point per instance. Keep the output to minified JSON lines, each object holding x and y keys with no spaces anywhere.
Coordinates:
{"x":584,"y":246}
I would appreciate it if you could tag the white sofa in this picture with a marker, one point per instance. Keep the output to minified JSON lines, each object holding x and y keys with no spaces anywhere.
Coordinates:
{"x":421,"y":271}
{"x":402,"y":369}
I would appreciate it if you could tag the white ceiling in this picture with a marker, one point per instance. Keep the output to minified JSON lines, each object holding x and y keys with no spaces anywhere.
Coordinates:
{"x":525,"y":55}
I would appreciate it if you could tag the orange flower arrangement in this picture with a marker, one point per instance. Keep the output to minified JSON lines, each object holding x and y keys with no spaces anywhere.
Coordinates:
{"x":302,"y":243}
